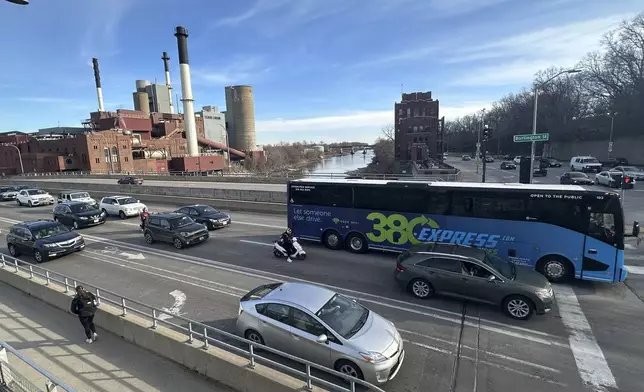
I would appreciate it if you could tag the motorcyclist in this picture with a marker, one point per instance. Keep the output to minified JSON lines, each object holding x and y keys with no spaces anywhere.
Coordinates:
{"x":286,"y":239}
{"x":144,"y":217}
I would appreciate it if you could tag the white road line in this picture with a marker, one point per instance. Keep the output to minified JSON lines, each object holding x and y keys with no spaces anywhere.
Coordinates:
{"x":508,"y":330}
{"x":233,"y":223}
{"x":591,"y":364}
{"x":256,"y":242}
{"x":635,"y":270}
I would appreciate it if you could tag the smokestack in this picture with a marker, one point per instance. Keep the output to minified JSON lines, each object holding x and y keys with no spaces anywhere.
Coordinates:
{"x":99,"y":90}
{"x":186,"y":91}
{"x":166,"y":65}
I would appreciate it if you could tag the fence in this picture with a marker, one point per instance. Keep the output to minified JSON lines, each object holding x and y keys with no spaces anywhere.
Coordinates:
{"x":14,"y":381}
{"x":194,"y":329}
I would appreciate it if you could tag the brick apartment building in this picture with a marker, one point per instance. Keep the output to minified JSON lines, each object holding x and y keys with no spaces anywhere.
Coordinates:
{"x":418,"y":129}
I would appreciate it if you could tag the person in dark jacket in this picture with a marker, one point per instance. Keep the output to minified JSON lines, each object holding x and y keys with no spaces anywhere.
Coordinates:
{"x":84,"y":306}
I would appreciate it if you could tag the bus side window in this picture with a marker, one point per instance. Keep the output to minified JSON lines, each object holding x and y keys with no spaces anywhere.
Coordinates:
{"x":602,"y":226}
{"x":563,"y":213}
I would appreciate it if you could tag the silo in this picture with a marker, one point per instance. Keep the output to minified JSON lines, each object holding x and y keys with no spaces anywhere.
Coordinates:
{"x":243,"y":116}
{"x":141,"y":85}
{"x":142,"y":102}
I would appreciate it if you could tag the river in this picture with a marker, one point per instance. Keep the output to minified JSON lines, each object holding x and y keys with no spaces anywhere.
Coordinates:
{"x":342,"y":164}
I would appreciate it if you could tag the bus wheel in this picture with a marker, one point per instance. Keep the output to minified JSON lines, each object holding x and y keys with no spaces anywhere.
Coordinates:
{"x":331,"y":240}
{"x":356,"y":243}
{"x":555,"y":269}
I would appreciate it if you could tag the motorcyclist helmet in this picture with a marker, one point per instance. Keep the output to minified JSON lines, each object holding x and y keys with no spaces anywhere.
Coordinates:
{"x":289,"y":231}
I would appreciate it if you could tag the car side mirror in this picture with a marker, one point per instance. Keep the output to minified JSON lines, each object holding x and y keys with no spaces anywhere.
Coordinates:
{"x":491,"y":279}
{"x":322,"y":339}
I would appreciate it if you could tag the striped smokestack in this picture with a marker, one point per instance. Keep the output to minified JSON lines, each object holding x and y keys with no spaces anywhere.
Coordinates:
{"x":166,"y":66}
{"x":190,"y":125}
{"x":99,"y":90}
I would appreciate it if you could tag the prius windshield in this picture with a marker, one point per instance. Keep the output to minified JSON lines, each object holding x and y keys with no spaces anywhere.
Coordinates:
{"x":343,"y":315}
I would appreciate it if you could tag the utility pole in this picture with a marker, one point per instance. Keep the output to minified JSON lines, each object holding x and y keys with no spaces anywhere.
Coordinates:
{"x":486,"y":136}
{"x":610,"y":138}
{"x":478,"y":142}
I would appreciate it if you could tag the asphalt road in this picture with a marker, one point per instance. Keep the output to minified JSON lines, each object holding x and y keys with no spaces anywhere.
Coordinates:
{"x":632,"y":202}
{"x":173,"y":184}
{"x":589,"y":342}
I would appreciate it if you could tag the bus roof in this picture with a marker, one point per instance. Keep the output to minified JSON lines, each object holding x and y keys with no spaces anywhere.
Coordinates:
{"x":448,"y":184}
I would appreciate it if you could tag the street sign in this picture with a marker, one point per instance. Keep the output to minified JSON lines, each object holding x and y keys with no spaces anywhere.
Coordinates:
{"x":537,"y":137}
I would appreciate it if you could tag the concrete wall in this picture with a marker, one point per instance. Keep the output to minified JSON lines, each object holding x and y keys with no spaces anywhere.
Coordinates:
{"x":631,"y":148}
{"x":222,"y":366}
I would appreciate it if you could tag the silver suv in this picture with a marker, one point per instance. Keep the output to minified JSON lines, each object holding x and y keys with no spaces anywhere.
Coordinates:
{"x":324,"y":327}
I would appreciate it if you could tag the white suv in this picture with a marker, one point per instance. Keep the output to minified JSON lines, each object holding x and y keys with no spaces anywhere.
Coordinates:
{"x":585,"y":164}
{"x":123,"y":206}
{"x":34,"y":197}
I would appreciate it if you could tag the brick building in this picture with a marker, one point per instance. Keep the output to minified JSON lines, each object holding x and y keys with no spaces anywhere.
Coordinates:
{"x":418,"y":129}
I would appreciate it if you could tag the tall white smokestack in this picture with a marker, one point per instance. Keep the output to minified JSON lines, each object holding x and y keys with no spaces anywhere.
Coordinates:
{"x":99,"y":90}
{"x":166,"y":65}
{"x":186,"y":92}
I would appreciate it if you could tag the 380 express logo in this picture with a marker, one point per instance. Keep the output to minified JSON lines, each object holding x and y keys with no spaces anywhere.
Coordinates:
{"x":398,"y":230}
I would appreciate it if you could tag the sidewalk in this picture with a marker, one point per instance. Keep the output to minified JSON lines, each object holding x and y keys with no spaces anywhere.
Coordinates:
{"x":55,"y":341}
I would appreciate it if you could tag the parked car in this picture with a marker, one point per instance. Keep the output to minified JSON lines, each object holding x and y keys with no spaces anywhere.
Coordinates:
{"x":206,"y":215}
{"x":319,"y":325}
{"x":123,"y":206}
{"x":634,"y":172}
{"x":130,"y":180}
{"x":538,"y":171}
{"x":585,"y":164}
{"x":476,"y":275}
{"x":612,"y":179}
{"x":466,"y":158}
{"x":79,"y":214}
{"x":83,"y":196}
{"x":575,"y":178}
{"x":517,"y":159}
{"x":489,"y":159}
{"x":44,"y":239}
{"x":612,"y":162}
{"x":507,"y":157}
{"x":175,"y":228}
{"x":34,"y":197}
{"x":8,"y":193}
{"x":509,"y":165}
{"x":552,"y":162}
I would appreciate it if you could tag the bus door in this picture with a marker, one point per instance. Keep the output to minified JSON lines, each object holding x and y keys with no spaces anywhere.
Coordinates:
{"x":600,"y":245}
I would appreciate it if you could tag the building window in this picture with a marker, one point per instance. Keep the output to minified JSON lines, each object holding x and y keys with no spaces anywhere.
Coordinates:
{"x":415,"y":129}
{"x":420,"y":128}
{"x":125,"y":147}
{"x":126,"y":160}
{"x":415,"y":112}
{"x":408,"y":112}
{"x":423,"y":113}
{"x":115,"y":154}
{"x":95,"y":147}
{"x":400,"y":112}
{"x":107,"y":154}
{"x":98,"y":160}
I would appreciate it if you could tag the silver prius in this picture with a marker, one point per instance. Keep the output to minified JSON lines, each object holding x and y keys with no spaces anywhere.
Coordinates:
{"x":324,"y":327}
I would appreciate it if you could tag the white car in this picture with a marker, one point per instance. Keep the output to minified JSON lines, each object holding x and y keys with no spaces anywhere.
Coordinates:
{"x":123,"y":206}
{"x":75,"y":196}
{"x":585,"y":164}
{"x":517,"y":160}
{"x":34,"y":197}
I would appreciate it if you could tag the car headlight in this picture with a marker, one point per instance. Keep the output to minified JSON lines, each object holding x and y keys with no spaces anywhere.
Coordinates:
{"x":83,"y":218}
{"x":184,"y":233}
{"x":373,"y":357}
{"x":543,"y":294}
{"x":50,"y":245}
{"x":214,"y":220}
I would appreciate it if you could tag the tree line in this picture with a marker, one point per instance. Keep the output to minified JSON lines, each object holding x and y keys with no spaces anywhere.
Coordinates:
{"x":573,"y":107}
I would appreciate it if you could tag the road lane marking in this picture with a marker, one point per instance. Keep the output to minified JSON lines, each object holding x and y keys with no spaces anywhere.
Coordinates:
{"x":635,"y":270}
{"x":591,"y":363}
{"x":175,"y":310}
{"x":233,"y":223}
{"x":504,"y":329}
{"x":256,"y":242}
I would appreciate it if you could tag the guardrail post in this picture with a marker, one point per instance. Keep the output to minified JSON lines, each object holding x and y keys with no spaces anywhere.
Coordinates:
{"x":48,"y":278}
{"x":15,"y":264}
{"x":98,"y":296}
{"x":154,"y":319}
{"x":205,"y":338}
{"x":353,"y":386}
{"x":309,"y":383}
{"x":251,"y":350}
{"x":3,"y":264}
{"x":31,"y":271}
{"x":190,"y":333}
{"x":124,"y":308}
{"x":51,"y":387}
{"x":67,"y":285}
{"x":75,"y":284}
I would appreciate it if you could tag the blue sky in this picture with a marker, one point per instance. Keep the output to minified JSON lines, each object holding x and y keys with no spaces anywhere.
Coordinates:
{"x":321,"y":70}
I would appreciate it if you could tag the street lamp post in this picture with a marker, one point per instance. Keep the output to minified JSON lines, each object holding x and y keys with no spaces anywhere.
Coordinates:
{"x":22,"y":168}
{"x":534,"y":114}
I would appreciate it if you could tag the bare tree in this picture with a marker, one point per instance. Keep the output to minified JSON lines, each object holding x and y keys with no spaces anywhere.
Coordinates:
{"x":388,"y":132}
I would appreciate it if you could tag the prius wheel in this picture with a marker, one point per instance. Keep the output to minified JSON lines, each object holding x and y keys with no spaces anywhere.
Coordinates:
{"x":421,"y":288}
{"x":254,"y":337}
{"x":518,"y":307}
{"x":349,"y":368}
{"x":13,"y":251}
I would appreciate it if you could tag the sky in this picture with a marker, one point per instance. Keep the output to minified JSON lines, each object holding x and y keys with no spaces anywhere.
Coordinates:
{"x":321,"y":70}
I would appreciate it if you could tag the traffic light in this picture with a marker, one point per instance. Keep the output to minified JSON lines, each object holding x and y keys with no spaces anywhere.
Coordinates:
{"x":487,"y":134}
{"x":626,"y":181}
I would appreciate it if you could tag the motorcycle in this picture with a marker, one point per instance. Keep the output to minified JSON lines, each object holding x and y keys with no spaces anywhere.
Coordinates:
{"x":280,"y":251}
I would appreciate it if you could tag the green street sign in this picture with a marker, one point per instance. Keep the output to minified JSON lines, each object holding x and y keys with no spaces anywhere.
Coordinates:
{"x":538,"y":137}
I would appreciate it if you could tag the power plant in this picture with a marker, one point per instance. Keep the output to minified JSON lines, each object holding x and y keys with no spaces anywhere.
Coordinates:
{"x":240,"y":113}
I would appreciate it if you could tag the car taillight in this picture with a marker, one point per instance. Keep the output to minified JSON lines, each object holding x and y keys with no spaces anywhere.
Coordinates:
{"x":400,"y":267}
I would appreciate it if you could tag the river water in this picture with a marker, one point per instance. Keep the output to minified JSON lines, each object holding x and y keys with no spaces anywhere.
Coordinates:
{"x":342,"y":164}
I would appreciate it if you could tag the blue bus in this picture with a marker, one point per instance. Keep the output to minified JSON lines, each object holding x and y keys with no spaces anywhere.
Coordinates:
{"x":563,"y":231}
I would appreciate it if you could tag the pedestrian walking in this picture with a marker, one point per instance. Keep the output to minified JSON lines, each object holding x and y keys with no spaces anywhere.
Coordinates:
{"x":84,"y":306}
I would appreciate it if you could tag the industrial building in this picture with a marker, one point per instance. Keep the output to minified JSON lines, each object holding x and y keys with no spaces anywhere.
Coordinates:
{"x":240,"y":117}
{"x":418,"y":129}
{"x":212,"y":125}
{"x":152,"y":98}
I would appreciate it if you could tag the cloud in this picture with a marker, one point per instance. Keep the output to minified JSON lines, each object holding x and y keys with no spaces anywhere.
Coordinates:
{"x":516,"y":59}
{"x":104,"y":18}
{"x":259,"y":8}
{"x":244,"y":70}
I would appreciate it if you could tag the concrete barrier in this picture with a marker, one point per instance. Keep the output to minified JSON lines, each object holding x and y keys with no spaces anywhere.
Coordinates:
{"x":222,"y":366}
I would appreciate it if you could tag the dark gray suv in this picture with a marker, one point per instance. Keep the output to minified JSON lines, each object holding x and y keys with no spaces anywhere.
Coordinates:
{"x":473,"y":274}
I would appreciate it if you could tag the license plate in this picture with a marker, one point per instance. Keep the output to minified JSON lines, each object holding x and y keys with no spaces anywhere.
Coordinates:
{"x":95,"y":220}
{"x":202,"y":238}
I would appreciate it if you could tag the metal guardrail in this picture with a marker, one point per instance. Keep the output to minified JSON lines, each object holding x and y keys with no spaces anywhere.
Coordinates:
{"x":194,"y":329}
{"x":14,"y":381}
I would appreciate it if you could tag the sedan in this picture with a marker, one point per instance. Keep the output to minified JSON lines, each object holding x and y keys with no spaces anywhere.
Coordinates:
{"x":612,"y":179}
{"x":476,"y":275}
{"x":553,"y":162}
{"x":319,"y":325}
{"x":508,"y":166}
{"x":206,"y":215}
{"x":575,"y":178}
{"x":130,"y":180}
{"x":466,"y":158}
{"x":489,"y":159}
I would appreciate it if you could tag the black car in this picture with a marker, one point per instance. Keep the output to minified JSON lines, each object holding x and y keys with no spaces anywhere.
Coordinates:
{"x":508,"y":157}
{"x":539,"y":171}
{"x":508,"y":165}
{"x":176,"y":228}
{"x":489,"y":159}
{"x":130,"y":180}
{"x":44,"y":239}
{"x":575,"y":178}
{"x":612,"y":162}
{"x":206,"y":215}
{"x":78,"y":214}
{"x":553,"y":162}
